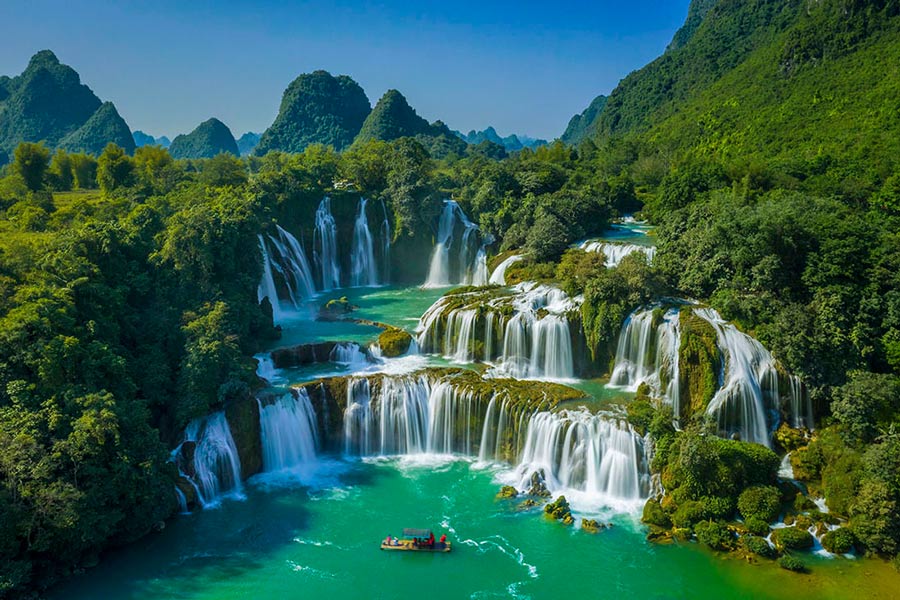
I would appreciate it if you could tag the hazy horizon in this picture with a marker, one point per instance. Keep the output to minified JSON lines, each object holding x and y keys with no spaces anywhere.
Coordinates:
{"x":522,"y":68}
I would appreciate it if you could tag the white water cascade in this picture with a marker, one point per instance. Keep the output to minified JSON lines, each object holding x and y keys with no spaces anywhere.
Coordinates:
{"x":439,"y":272}
{"x":293,"y":266}
{"x":216,"y":465}
{"x":325,"y":247}
{"x":597,"y":455}
{"x":647,"y":352}
{"x":363,"y":269}
{"x":288,"y":432}
{"x":498,"y":277}
{"x":385,"y":246}
{"x":535,"y":343}
{"x":747,"y":403}
{"x":267,"y":287}
{"x":616,"y":252}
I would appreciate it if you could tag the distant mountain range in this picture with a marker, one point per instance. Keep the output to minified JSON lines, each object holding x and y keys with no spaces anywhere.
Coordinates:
{"x":48,"y":103}
{"x":145,"y":139}
{"x":248,"y":142}
{"x":512,"y":143}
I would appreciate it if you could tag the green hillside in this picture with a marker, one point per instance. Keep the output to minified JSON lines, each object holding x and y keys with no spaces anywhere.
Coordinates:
{"x":48,"y":103}
{"x":210,"y":138}
{"x":580,"y":125}
{"x":802,"y":86}
{"x":393,"y":118}
{"x":317,"y":108}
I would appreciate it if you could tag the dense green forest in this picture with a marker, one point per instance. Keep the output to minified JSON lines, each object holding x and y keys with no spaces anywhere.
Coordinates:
{"x":128,"y":283}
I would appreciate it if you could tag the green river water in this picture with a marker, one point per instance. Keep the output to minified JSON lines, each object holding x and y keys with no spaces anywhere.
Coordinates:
{"x":316,"y":534}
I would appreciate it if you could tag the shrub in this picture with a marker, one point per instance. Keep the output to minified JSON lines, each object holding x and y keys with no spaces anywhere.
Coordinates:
{"x":792,"y":538}
{"x":757,"y":526}
{"x":655,"y":515}
{"x":714,"y":534}
{"x":791,"y":563}
{"x":688,"y":514}
{"x":758,"y":546}
{"x":716,"y":507}
{"x":839,"y":541}
{"x":762,"y":502}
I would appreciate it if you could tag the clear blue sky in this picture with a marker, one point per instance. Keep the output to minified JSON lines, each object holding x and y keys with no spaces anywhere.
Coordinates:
{"x":524,"y":67}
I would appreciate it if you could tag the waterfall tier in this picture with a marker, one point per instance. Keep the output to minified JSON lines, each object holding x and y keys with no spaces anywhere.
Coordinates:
{"x":498,"y":277}
{"x":208,"y":459}
{"x":524,"y":331}
{"x":363,"y":270}
{"x":325,"y":247}
{"x":288,"y":432}
{"x":616,"y":252}
{"x":469,"y":265}
{"x":751,"y":391}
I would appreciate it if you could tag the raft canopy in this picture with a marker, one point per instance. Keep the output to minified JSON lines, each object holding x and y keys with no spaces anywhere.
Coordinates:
{"x":417,"y":533}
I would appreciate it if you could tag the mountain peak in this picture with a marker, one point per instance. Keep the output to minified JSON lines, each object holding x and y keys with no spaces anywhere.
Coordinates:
{"x":211,"y":138}
{"x":317,"y":108}
{"x":43,"y":58}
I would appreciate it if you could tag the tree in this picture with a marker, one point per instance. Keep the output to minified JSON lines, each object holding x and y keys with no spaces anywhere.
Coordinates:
{"x":61,"y":171}
{"x":84,"y":171}
{"x":115,"y":169}
{"x":156,"y":169}
{"x":31,"y":163}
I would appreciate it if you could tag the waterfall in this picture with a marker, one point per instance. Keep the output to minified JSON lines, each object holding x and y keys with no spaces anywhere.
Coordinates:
{"x":385,"y":246}
{"x":348,"y":353}
{"x":288,"y":432}
{"x":748,"y":398}
{"x":267,"y":287}
{"x":293,"y":266}
{"x":182,"y":501}
{"x":439,"y":272}
{"x":647,"y":352}
{"x":598,"y":455}
{"x":265,"y":368}
{"x":459,"y":342}
{"x":216,"y":465}
{"x":498,"y":277}
{"x":325,"y":247}
{"x":479,"y":268}
{"x":363,"y":269}
{"x":615,"y":253}
{"x":536,"y":336}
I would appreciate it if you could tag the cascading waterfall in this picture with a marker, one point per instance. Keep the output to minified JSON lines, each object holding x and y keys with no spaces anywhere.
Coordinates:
{"x":598,"y":455}
{"x":288,"y":432}
{"x":536,"y":340}
{"x":267,"y":287}
{"x":216,"y":465}
{"x":615,"y":253}
{"x":363,"y":269}
{"x":385,"y":246}
{"x":647,"y":352}
{"x":293,"y":266}
{"x":498,"y":277}
{"x":479,"y":273}
{"x":747,"y":401}
{"x":439,"y":272}
{"x":348,"y":353}
{"x":325,"y":247}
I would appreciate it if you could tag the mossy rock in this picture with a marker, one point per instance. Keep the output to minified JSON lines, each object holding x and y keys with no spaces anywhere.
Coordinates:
{"x":394,"y":342}
{"x":758,"y":546}
{"x":243,"y":421}
{"x":792,"y":563}
{"x":803,"y":503}
{"x":792,"y":538}
{"x":538,"y":486}
{"x":699,"y":364}
{"x":560,"y":511}
{"x":590,"y":525}
{"x":507,"y":492}
{"x":336,"y":308}
{"x":655,"y":515}
{"x":682,"y":534}
{"x":789,"y":438}
{"x":839,"y":541}
{"x":527,"y":504}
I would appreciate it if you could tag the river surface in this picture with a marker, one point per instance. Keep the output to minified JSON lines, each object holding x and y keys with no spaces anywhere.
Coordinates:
{"x":315,"y":533}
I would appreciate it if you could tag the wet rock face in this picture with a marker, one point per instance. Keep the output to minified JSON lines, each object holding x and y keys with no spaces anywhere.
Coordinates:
{"x":305,"y":354}
{"x":559,"y":510}
{"x":243,"y":420}
{"x":538,"y":486}
{"x":507,"y":492}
